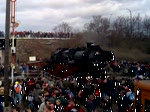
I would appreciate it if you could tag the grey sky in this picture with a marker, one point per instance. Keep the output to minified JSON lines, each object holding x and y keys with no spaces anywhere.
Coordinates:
{"x":43,"y":15}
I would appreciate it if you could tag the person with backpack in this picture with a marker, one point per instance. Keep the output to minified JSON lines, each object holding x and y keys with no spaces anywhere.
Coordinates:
{"x":17,"y":93}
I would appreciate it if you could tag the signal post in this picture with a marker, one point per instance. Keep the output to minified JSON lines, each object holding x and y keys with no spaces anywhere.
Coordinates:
{"x":13,"y":49}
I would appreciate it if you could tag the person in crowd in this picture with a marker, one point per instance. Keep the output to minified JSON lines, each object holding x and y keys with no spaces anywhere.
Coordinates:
{"x":30,"y":99}
{"x":121,"y":99}
{"x":49,"y":108}
{"x":38,"y":101}
{"x":52,"y":106}
{"x":17,"y":92}
{"x":28,"y":110}
{"x":8,"y":109}
{"x":37,"y":90}
{"x":104,"y":88}
{"x":91,"y":104}
{"x":69,"y":93}
{"x":58,"y":106}
{"x":107,"y":104}
{"x":17,"y":109}
{"x":111,"y":86}
{"x":62,"y":98}
{"x":40,"y":111}
{"x":47,"y":101}
{"x":71,"y":107}
{"x":1,"y":107}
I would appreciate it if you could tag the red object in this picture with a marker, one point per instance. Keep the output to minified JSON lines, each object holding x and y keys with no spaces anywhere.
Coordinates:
{"x":80,"y":110}
{"x":97,"y":92}
{"x":68,"y":109}
{"x":62,"y":71}
{"x":30,"y":82}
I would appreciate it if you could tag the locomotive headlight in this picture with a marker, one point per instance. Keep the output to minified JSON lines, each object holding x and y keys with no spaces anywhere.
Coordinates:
{"x":94,"y":64}
{"x":97,"y":64}
{"x":97,"y":53}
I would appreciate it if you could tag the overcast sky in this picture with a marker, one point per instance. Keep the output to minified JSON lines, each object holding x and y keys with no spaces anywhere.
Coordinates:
{"x":44,"y":15}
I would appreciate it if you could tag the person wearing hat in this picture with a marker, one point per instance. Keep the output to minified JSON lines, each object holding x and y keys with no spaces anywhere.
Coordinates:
{"x":17,"y":92}
{"x":58,"y":106}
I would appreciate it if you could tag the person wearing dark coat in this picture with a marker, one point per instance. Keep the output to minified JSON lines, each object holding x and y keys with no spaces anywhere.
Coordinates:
{"x":91,"y":104}
{"x":1,"y":108}
{"x":37,"y":102}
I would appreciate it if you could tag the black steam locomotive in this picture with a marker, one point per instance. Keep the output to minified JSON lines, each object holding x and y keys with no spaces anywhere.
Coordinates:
{"x":81,"y":61}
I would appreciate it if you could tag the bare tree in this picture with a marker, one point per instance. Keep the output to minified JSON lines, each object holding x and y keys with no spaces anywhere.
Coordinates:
{"x":63,"y":27}
{"x":98,"y":24}
{"x":146,"y":26}
{"x":121,"y":26}
{"x":137,"y":26}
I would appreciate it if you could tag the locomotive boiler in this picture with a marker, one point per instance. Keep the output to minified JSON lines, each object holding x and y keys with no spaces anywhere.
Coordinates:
{"x":81,"y":61}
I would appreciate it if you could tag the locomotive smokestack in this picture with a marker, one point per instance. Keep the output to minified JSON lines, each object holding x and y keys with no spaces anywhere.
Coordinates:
{"x":89,"y":44}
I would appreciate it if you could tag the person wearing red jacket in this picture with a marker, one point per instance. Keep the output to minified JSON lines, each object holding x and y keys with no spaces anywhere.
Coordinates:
{"x":72,"y":107}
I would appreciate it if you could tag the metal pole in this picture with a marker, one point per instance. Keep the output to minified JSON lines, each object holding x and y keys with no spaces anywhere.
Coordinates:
{"x":7,"y":48}
{"x":130,"y":21}
{"x":13,"y":33}
{"x":110,"y":17}
{"x":109,"y":20}
{"x":13,"y":55}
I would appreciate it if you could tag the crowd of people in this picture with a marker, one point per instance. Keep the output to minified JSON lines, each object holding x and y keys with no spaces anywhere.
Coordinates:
{"x":51,"y":94}
{"x":128,"y":68}
{"x":31,"y":34}
{"x":122,"y":67}
{"x":48,"y":93}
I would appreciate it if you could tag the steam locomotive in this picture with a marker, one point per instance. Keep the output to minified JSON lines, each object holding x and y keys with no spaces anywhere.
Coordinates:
{"x":81,"y":61}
